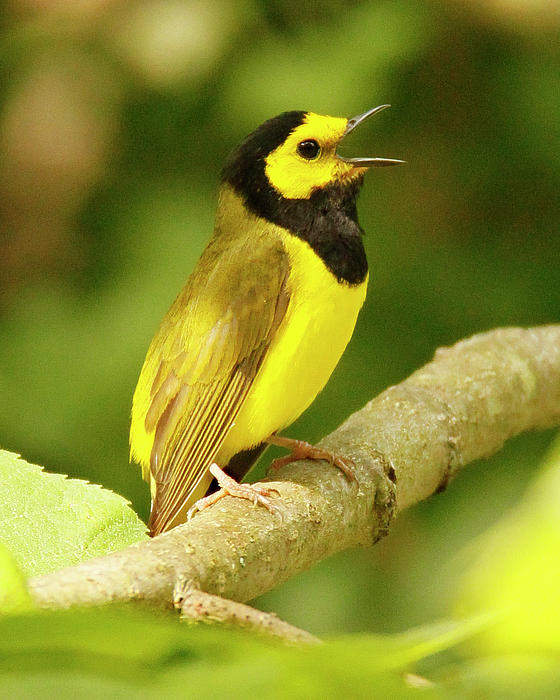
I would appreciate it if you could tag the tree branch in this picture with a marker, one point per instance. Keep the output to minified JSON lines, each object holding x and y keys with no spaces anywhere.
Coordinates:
{"x":406,"y":444}
{"x":198,"y":606}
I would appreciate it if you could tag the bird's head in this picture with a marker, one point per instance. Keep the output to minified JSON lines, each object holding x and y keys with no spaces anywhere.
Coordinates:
{"x":294,"y":155}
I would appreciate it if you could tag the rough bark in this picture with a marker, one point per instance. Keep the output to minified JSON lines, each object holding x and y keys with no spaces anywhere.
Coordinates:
{"x":198,"y":606}
{"x":406,"y":445}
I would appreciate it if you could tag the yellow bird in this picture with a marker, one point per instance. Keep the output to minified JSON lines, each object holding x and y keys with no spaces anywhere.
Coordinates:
{"x":262,"y":321}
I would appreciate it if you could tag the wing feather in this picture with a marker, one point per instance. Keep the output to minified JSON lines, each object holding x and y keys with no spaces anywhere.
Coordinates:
{"x":202,"y":364}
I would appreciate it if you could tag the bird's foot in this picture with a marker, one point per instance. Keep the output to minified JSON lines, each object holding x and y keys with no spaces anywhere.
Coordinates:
{"x":303,"y":450}
{"x":259,"y":494}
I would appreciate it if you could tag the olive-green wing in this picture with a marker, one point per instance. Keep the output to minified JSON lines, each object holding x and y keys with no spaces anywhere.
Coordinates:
{"x":202,"y":363}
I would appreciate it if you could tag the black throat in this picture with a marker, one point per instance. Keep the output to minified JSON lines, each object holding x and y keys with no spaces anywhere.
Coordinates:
{"x":328,"y":220}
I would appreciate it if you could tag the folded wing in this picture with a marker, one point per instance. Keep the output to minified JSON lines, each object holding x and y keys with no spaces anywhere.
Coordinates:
{"x":201,"y":366}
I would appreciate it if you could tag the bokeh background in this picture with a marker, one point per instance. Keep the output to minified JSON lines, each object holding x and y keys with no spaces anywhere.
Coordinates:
{"x":116,"y":116}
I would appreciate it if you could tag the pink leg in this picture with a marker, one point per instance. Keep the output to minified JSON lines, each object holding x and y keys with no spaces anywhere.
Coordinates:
{"x":257,"y":493}
{"x":303,"y":450}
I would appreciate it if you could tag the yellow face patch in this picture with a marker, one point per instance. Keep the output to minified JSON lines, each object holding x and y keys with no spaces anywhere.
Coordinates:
{"x":294,"y":175}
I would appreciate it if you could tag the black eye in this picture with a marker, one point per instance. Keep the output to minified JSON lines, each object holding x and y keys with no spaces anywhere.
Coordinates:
{"x":309,"y":149}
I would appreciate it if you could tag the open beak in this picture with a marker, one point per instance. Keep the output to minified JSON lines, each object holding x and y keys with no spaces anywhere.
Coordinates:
{"x":367,"y":162}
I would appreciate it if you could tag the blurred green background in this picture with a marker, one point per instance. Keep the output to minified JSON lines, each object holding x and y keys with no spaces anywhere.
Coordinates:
{"x":115,"y":119}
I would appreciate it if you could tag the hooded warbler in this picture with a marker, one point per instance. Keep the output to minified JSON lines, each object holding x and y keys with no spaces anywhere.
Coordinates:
{"x":262,"y":321}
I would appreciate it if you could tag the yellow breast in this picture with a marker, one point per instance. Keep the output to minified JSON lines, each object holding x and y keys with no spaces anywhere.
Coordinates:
{"x":309,"y":343}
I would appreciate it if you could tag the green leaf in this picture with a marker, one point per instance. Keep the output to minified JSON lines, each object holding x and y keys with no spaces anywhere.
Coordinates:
{"x":516,"y":570}
{"x":512,"y":677}
{"x":14,"y":596}
{"x":399,"y":651}
{"x":122,"y":653}
{"x":49,"y":521}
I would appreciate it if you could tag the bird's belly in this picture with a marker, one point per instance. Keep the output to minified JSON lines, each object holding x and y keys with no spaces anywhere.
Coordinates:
{"x":307,"y":347}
